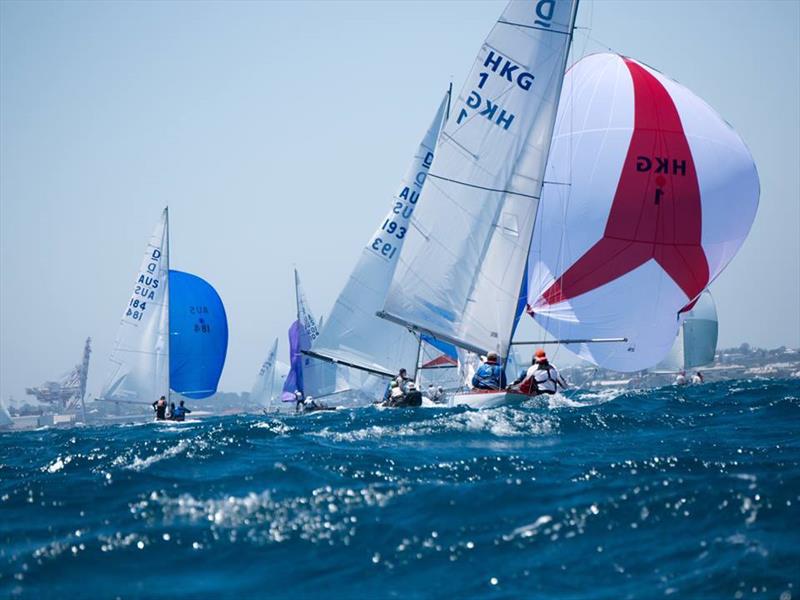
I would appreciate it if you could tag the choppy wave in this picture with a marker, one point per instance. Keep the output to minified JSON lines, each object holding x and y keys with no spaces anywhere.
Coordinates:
{"x":691,"y":492}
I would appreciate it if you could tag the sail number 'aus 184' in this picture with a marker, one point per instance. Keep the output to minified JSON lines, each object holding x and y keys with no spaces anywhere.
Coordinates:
{"x":145,"y":289}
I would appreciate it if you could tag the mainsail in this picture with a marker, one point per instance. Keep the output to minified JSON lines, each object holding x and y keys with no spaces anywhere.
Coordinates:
{"x":264,"y":387}
{"x":198,"y":335}
{"x":652,"y":195}
{"x":140,"y":359}
{"x":696,"y":344}
{"x":460,"y":272}
{"x":353,"y":334}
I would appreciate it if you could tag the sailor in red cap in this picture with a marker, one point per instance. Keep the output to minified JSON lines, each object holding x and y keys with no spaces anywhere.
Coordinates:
{"x":542,"y":377}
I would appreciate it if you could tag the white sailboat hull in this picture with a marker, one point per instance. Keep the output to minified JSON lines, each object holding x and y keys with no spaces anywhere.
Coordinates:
{"x":489,"y":399}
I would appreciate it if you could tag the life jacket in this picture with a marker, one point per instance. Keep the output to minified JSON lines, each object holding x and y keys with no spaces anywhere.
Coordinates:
{"x":535,"y":384}
{"x":489,"y":376}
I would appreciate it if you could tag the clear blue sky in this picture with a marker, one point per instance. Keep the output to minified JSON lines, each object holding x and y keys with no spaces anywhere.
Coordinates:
{"x":277,"y":132}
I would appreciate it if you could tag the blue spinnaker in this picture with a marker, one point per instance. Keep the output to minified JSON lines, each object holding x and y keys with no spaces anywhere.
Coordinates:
{"x":443,"y":347}
{"x":198,"y":335}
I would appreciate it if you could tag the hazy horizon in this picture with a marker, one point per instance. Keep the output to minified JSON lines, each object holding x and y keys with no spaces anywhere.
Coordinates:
{"x":277,"y":132}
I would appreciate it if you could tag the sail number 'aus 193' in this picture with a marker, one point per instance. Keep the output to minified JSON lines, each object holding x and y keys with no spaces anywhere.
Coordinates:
{"x":389,"y":238}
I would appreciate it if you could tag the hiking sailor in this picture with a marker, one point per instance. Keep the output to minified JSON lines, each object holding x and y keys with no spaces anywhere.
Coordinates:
{"x":697,"y":378}
{"x":490,"y":375}
{"x":401,"y":380}
{"x":542,"y":377}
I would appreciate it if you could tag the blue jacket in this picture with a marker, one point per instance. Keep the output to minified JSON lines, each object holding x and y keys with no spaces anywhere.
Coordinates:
{"x":490,"y":376}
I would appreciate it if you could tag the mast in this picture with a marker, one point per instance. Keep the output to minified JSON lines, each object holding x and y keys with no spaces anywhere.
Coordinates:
{"x":449,"y":99}
{"x":166,"y":298}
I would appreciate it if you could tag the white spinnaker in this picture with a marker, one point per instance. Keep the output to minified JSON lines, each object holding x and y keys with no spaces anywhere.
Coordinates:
{"x":696,"y":344}
{"x":595,"y":158}
{"x":353,"y":334}
{"x":140,"y":359}
{"x":264,"y":387}
{"x":460,"y":272}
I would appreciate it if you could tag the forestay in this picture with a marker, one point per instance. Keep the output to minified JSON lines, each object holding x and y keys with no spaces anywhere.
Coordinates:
{"x":264,"y":386}
{"x":140,"y":359}
{"x":652,"y":195}
{"x":198,"y":336}
{"x":460,"y":272}
{"x":696,"y":344}
{"x":353,"y":334}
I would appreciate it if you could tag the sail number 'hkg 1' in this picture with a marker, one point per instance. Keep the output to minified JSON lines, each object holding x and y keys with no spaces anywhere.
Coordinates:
{"x":506,"y":70}
{"x":145,"y":288}
{"x":396,"y":224}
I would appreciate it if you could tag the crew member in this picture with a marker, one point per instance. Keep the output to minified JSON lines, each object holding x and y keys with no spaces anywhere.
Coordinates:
{"x":490,"y":375}
{"x":542,"y":377}
{"x":160,"y":406}
{"x":680,"y":379}
{"x":697,"y":378}
{"x":179,"y":414}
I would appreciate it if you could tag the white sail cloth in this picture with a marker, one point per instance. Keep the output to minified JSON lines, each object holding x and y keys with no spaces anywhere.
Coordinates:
{"x":650,"y":194}
{"x":140,"y":359}
{"x":264,"y":388}
{"x":696,"y":344}
{"x":461,"y":270}
{"x":353,"y":334}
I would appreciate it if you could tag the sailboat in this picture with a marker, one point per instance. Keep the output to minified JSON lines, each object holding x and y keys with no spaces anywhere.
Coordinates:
{"x":460,"y":276}
{"x":353,"y":335}
{"x":173,"y":335}
{"x":696,"y":344}
{"x":308,"y":375}
{"x":263,"y":391}
{"x":649,"y":195}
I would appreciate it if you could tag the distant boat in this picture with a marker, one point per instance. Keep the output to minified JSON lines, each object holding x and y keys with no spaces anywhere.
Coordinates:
{"x":353,"y":335}
{"x":264,"y":388}
{"x":308,"y":375}
{"x":696,"y":343}
{"x":460,"y":276}
{"x":5,"y":418}
{"x":146,"y":363}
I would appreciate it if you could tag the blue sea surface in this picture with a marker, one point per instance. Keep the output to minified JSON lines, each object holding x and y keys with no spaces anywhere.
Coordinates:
{"x":690,"y":493}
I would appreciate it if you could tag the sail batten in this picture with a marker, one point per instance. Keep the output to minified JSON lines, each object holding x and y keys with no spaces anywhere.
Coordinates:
{"x":460,"y":273}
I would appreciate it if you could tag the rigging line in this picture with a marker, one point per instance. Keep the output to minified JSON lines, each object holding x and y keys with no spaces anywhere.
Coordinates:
{"x":480,"y":187}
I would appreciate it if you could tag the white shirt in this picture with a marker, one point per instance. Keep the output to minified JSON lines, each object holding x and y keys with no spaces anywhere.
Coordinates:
{"x":545,"y":378}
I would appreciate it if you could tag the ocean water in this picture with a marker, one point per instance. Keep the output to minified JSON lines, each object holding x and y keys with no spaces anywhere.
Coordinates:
{"x":690,"y":493}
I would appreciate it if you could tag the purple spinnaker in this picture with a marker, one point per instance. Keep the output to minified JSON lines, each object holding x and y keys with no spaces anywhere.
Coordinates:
{"x":294,"y":381}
